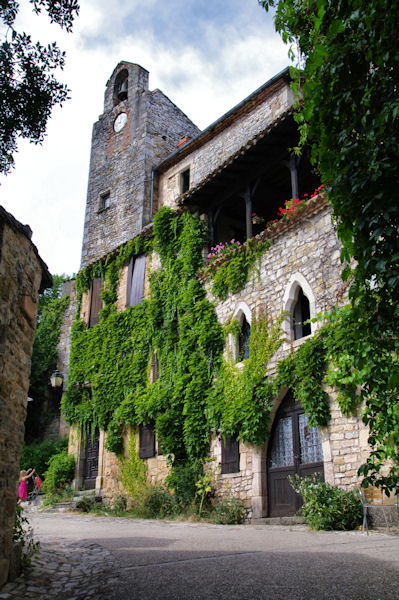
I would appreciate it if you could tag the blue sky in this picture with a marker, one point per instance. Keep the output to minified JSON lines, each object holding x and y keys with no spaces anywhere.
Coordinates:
{"x":206,"y":55}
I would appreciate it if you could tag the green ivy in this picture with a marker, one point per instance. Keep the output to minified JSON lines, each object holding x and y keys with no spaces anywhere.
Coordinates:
{"x":241,"y":398}
{"x":230,"y":274}
{"x":348,"y":110}
{"x":108,"y":382}
{"x":197,"y":390}
{"x":51,"y":312}
{"x":304,"y":372}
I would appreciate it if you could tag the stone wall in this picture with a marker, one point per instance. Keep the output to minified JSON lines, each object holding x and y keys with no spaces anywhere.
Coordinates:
{"x":202,"y":161}
{"x":108,"y":482}
{"x":240,"y":484}
{"x":22,"y":276}
{"x":304,"y":251}
{"x":345,"y":446}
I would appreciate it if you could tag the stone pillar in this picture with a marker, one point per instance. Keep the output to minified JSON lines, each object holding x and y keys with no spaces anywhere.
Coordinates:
{"x":259,"y":482}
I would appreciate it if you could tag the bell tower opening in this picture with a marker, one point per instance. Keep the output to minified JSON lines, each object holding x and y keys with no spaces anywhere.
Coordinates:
{"x":121,"y":86}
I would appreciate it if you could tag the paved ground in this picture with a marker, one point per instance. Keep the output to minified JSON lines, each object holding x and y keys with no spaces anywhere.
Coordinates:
{"x":116,"y":558}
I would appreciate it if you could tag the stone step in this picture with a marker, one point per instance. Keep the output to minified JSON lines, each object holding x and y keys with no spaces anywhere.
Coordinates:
{"x":278,"y":521}
{"x":80,"y":493}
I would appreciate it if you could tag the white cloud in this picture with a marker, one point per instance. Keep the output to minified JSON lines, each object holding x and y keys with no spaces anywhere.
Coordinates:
{"x":47,"y":189}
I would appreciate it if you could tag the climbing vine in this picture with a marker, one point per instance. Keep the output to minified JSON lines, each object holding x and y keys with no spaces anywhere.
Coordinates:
{"x":230,"y":271}
{"x":51,"y":310}
{"x":198,"y":388}
{"x":109,"y":385}
{"x":304,"y":372}
{"x":241,"y":398}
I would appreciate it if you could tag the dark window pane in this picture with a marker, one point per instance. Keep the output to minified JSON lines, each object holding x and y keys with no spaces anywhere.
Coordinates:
{"x":146,"y":441}
{"x":185,"y":181}
{"x":230,"y":455}
{"x":301,"y":313}
{"x":243,"y":345}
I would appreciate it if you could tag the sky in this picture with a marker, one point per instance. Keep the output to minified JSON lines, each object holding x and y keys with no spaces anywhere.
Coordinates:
{"x":205,"y":55}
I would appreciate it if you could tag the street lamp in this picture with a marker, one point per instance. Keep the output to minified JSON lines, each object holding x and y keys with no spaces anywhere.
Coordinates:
{"x":56,"y":379}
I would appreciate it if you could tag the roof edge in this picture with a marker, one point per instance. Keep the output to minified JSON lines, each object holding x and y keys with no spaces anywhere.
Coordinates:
{"x":202,"y":137}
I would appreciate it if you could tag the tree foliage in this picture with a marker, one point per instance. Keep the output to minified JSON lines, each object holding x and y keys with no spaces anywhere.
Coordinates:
{"x":51,"y":309}
{"x":28,"y":88}
{"x":348,"y":109}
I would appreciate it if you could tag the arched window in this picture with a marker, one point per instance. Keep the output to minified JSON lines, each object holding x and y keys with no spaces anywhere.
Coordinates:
{"x":239,"y":344}
{"x":243,"y":342}
{"x":299,"y":305}
{"x":300,"y":316}
{"x":121,"y":86}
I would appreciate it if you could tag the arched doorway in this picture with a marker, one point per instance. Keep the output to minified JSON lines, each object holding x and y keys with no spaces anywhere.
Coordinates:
{"x":294,"y":448}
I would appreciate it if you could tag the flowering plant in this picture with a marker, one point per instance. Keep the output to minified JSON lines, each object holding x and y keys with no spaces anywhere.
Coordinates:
{"x":222,"y":249}
{"x":256,"y":220}
{"x":292,"y":206}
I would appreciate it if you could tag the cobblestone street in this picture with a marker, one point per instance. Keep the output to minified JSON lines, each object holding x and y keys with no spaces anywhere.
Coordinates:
{"x":64,"y":570}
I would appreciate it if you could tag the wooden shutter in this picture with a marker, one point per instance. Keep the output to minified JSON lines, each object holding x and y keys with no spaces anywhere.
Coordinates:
{"x":135,"y":282}
{"x":146,"y":441}
{"x":155,"y":367}
{"x":230,"y":455}
{"x":95,"y":301}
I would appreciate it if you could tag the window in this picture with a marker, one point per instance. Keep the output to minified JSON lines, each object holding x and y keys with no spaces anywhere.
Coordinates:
{"x":243,"y":342}
{"x":301,"y":313}
{"x":146,"y":441}
{"x":135,"y":280}
{"x":105,"y":201}
{"x":154,"y":367}
{"x":185,"y":181}
{"x":95,"y":301}
{"x":230,"y":455}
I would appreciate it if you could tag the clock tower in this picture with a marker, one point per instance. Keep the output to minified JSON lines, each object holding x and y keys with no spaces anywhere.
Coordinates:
{"x":137,"y":130}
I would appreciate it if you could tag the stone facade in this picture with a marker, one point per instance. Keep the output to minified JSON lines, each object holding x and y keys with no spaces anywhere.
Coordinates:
{"x":22,"y":276}
{"x":223,"y":163}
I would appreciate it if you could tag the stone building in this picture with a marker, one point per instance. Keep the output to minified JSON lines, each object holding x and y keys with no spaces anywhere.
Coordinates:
{"x":23,"y":275}
{"x":235,"y":174}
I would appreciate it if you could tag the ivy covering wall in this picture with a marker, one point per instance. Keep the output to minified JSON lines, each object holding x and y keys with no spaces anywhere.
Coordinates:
{"x":199,"y":388}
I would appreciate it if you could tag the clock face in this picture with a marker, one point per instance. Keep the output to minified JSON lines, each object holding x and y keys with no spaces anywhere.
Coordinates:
{"x":120,"y":122}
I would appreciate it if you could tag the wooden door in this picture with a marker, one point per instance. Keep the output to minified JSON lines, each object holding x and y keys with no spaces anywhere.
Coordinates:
{"x":294,"y":449}
{"x":90,"y":469}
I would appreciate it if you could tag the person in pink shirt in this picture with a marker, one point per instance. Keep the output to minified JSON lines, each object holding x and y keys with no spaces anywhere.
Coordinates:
{"x":23,"y":485}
